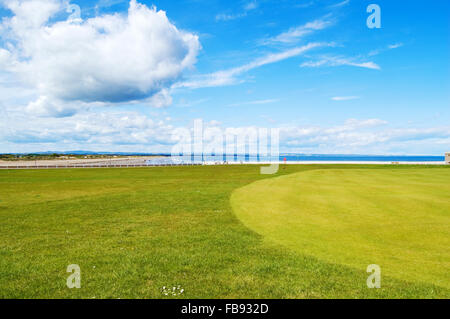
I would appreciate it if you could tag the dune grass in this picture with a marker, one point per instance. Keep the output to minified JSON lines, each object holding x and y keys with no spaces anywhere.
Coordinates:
{"x":133,"y":231}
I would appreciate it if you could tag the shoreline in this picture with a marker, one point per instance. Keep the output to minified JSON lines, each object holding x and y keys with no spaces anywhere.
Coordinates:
{"x":131,"y":164}
{"x":343,"y":162}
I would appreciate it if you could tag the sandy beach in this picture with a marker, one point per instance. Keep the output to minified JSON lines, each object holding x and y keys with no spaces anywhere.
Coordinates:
{"x":131,"y":160}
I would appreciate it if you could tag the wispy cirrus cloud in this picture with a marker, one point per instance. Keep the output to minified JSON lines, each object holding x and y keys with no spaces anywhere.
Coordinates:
{"x":228,"y":77}
{"x":230,"y":16}
{"x":294,"y":34}
{"x":351,"y":61}
{"x":304,"y":4}
{"x":339,"y":61}
{"x":340,"y":4}
{"x":388,"y":47}
{"x":249,"y":6}
{"x":344,"y":98}
{"x":395,"y":45}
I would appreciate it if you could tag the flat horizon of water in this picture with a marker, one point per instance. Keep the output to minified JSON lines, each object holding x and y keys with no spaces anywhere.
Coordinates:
{"x":295,"y":158}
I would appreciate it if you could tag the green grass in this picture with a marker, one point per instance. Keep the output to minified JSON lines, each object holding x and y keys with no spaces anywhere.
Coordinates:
{"x":397,"y":219}
{"x":133,"y":231}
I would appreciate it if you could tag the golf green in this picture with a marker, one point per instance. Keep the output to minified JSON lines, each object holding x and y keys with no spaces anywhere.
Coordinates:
{"x":397,"y":219}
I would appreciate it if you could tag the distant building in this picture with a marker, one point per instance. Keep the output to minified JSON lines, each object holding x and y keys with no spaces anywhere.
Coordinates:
{"x":447,"y":158}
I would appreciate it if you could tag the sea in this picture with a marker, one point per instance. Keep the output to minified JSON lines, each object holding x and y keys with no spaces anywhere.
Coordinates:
{"x":236,"y":158}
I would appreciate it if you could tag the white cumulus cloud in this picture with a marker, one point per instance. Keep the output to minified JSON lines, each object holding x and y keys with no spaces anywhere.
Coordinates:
{"x":45,"y":106}
{"x":5,"y":57}
{"x":110,"y":58}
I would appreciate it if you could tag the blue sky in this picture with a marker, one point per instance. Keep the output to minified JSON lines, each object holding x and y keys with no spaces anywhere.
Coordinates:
{"x":312,"y":68}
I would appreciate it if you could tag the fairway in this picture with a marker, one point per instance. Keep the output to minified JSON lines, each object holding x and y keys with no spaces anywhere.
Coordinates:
{"x":397,"y":219}
{"x":134,"y":231}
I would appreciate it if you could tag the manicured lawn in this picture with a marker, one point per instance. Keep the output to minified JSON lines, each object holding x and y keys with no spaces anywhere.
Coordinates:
{"x":133,"y":231}
{"x":397,"y":219}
